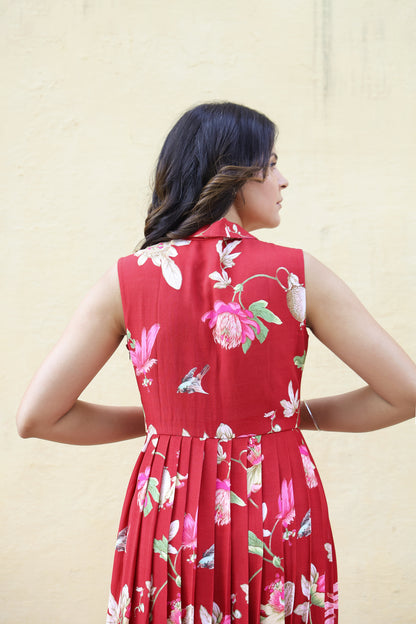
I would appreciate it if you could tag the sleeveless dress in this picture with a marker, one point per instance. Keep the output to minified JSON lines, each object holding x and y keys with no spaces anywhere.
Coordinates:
{"x":225,"y":519}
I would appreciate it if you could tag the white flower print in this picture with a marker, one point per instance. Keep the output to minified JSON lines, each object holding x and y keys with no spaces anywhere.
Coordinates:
{"x":119,"y":613}
{"x":291,"y":406}
{"x":272,"y":416}
{"x":224,"y":432}
{"x":161,"y":255}
{"x":189,"y":614}
{"x":222,"y":279}
{"x":226,"y":257}
{"x":167,"y":487}
{"x":221,"y":454}
{"x":216,"y":618}
{"x":151,"y":431}
{"x":328,"y":548}
{"x":314,"y":591}
{"x":173,"y":529}
{"x":235,"y":230}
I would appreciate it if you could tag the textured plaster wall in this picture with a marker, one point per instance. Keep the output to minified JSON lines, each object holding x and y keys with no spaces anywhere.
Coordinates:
{"x":89,"y":90}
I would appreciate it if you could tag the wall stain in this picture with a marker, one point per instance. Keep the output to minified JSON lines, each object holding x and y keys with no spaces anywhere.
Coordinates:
{"x":322,"y":45}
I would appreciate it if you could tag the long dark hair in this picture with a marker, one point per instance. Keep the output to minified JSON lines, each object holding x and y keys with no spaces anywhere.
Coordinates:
{"x":206,"y":158}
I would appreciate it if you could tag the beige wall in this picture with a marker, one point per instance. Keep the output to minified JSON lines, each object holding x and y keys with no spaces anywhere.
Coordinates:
{"x":90,"y":88}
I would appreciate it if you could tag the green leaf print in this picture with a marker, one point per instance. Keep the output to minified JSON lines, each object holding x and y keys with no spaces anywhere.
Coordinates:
{"x":259,"y":308}
{"x":160,"y":547}
{"x":153,"y":492}
{"x":255,"y":545}
{"x":236,"y":499}
{"x":299,"y":360}
{"x":261,"y":337}
{"x":246,"y":345}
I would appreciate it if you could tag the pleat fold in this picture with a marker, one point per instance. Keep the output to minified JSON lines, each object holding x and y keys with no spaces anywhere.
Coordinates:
{"x":221,"y":530}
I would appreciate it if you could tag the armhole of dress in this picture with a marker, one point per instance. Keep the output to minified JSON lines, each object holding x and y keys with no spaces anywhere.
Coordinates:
{"x":121,"y":282}
{"x":302,"y":279}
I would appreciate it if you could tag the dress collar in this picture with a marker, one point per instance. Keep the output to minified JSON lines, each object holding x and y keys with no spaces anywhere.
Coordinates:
{"x":222,"y":229}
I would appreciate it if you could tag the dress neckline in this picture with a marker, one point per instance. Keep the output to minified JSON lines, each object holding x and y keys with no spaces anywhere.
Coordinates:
{"x":222,"y":228}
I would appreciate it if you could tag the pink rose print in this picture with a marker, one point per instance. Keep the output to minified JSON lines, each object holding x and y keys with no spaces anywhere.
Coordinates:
{"x":280,"y":602}
{"x":308,"y":467}
{"x":175,"y":616}
{"x":231,"y":324}
{"x":222,"y":502}
{"x":277,"y":594}
{"x":286,"y":503}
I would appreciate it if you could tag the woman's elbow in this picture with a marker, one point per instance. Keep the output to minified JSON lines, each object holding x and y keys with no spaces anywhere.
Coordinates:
{"x":25,"y":424}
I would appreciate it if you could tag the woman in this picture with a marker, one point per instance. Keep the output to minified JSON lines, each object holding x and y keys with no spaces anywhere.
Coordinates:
{"x":225,"y":517}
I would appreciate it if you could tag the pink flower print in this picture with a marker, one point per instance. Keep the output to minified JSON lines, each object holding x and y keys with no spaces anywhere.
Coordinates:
{"x":280,"y":602}
{"x":189,"y":531}
{"x":222,"y":502}
{"x":140,"y":353}
{"x":277,"y":594}
{"x":231,"y":324}
{"x":254,"y":456}
{"x":331,"y":605}
{"x":286,"y":503}
{"x":308,"y":467}
{"x":175,"y":616}
{"x":290,"y":407}
{"x":142,"y":481}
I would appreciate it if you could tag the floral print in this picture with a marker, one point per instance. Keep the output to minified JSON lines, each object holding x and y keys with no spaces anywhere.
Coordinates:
{"x":224,"y":517}
{"x":140,"y":352}
{"x":286,"y":503}
{"x":280,"y":600}
{"x":232,"y":325}
{"x":119,"y":613}
{"x":222,"y":502}
{"x":308,"y":467}
{"x":161,"y":255}
{"x":291,"y":406}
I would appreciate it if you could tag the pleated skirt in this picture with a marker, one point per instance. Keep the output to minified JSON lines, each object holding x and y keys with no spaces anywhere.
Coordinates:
{"x":215,"y":530}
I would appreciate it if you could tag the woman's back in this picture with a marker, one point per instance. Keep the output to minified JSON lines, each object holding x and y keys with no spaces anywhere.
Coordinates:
{"x":225,"y":512}
{"x":224,"y":304}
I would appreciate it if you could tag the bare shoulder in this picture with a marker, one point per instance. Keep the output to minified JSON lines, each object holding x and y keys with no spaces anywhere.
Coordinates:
{"x":327,"y":294}
{"x":104,"y":300}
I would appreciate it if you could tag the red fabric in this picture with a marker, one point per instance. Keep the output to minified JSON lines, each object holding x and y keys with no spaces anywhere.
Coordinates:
{"x":225,"y":518}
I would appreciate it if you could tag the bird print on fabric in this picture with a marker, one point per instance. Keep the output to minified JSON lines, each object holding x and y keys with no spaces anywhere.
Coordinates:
{"x":191,"y":382}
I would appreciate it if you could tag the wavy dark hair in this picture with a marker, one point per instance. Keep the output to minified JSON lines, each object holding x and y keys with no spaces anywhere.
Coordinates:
{"x":211,"y":151}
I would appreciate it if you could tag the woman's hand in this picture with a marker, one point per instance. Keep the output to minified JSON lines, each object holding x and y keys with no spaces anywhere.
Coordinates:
{"x":50,"y":408}
{"x":340,"y":321}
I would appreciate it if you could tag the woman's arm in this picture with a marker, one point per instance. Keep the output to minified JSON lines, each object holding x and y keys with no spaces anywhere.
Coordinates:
{"x":340,"y":321}
{"x":50,"y":408}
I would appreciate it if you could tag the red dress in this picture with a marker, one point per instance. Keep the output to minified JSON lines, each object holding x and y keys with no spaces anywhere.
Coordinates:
{"x":225,"y":518}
